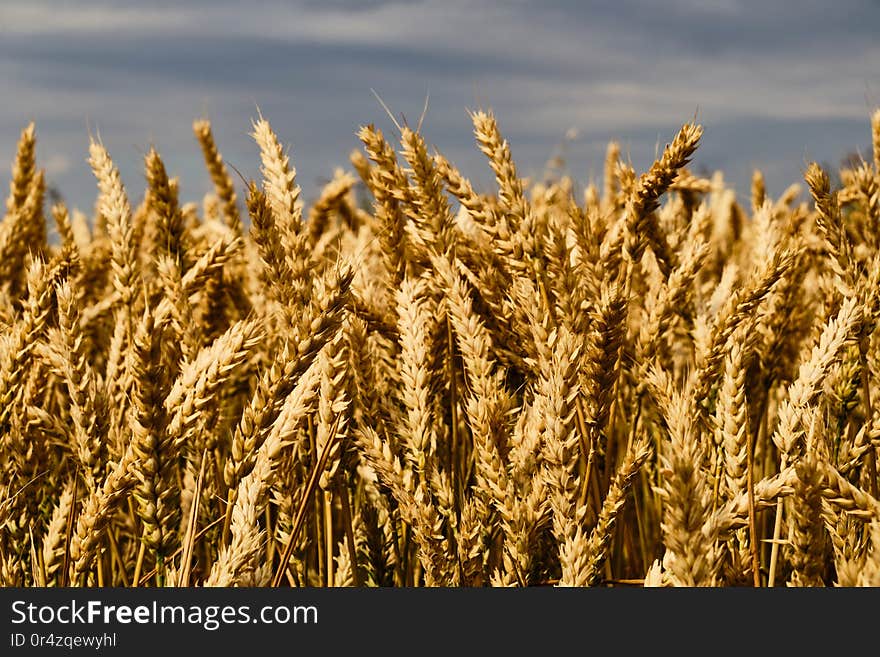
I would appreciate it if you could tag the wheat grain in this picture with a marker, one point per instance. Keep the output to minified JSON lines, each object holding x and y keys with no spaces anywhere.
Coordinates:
{"x":419,"y":381}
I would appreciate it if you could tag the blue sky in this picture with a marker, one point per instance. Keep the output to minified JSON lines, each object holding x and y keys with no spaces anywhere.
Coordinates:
{"x":776,"y":85}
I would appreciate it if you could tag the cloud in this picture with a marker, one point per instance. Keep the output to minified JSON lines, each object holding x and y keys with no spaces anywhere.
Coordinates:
{"x":761,"y":77}
{"x":57,"y":164}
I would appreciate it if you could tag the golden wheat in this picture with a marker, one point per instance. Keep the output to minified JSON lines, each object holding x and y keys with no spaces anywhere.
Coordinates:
{"x":430,"y":383}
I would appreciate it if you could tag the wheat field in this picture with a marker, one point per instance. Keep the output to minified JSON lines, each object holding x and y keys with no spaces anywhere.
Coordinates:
{"x":639,"y":382}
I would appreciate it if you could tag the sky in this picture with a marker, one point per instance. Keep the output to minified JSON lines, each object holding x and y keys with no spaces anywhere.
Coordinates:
{"x":775,"y":85}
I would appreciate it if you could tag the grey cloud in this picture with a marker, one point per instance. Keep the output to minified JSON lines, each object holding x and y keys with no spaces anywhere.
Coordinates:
{"x":772,"y":82}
